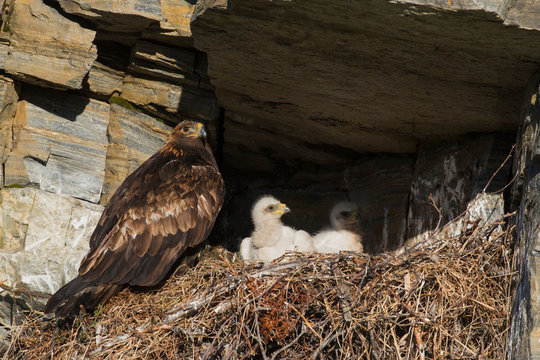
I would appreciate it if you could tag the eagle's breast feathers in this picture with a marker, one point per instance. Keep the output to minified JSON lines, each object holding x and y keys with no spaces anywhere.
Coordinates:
{"x":162,"y":212}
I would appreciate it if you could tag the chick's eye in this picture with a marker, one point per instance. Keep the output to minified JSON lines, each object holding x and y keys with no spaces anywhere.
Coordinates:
{"x":344,"y":213}
{"x":270,"y":208}
{"x":185,"y":129}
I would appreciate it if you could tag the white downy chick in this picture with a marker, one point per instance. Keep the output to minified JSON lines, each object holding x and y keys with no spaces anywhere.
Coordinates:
{"x":345,"y":233}
{"x":271,"y":239}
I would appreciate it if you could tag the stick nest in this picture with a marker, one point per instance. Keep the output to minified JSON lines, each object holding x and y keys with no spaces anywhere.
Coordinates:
{"x":445,"y":299}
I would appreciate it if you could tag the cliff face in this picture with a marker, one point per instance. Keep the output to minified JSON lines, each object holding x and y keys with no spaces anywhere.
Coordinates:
{"x":380,"y":102}
{"x":89,"y":91}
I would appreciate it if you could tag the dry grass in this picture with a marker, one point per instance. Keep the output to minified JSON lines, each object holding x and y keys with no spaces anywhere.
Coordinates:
{"x":447,"y":299}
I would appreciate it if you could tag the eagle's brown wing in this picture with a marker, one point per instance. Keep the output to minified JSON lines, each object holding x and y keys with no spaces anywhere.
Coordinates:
{"x":159,"y":211}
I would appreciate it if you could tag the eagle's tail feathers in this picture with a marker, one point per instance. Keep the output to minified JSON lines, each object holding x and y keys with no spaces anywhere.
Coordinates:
{"x":67,"y":302}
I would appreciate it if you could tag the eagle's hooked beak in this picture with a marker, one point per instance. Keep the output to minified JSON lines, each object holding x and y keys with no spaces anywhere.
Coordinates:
{"x":283,"y":209}
{"x":201,"y":131}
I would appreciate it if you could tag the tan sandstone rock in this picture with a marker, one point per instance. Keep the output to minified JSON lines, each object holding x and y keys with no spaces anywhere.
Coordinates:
{"x":105,"y":80}
{"x":116,"y":15}
{"x":65,"y":52}
{"x":8,"y":101}
{"x":133,"y":137}
{"x":186,"y":102}
{"x":175,"y":25}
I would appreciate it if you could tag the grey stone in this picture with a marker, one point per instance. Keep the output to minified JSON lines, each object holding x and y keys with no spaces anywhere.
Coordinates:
{"x":483,"y":209}
{"x":105,"y":80}
{"x":52,"y":232}
{"x":15,"y":216}
{"x":452,"y":175}
{"x":269,"y":145}
{"x":60,"y":145}
{"x":116,"y":15}
{"x":163,"y":62}
{"x":525,"y":324}
{"x":56,"y":231}
{"x":381,"y":187}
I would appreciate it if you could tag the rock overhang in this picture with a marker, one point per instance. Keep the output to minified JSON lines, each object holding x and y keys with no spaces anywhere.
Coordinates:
{"x":324,"y":81}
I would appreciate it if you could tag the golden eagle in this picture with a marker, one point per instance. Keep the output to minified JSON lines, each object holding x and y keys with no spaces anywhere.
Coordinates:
{"x":157,"y":219}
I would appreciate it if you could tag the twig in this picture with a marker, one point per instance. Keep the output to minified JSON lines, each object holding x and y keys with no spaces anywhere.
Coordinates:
{"x":499,"y":169}
{"x":24,"y":291}
{"x":419,"y":342}
{"x":306,"y":321}
{"x":438,"y":212}
{"x":258,"y":338}
{"x":284,"y":348}
{"x":192,"y":307}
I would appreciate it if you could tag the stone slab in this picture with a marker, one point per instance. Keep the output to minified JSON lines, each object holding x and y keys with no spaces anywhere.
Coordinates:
{"x":524,"y":339}
{"x":65,"y":52}
{"x":55,"y":229}
{"x":116,"y":15}
{"x":105,"y":80}
{"x":134,"y":137}
{"x":453,"y":173}
{"x":60,"y":145}
{"x":174,"y":99}
{"x":369,"y":76}
{"x":8,"y":102}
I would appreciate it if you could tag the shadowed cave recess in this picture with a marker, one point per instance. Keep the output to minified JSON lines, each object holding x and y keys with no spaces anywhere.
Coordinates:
{"x":380,"y":103}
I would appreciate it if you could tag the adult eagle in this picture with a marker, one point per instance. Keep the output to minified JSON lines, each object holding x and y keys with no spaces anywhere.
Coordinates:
{"x":157,"y":218}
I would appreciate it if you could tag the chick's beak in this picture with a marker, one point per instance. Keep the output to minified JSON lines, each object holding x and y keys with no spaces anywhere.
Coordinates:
{"x":353,"y":217}
{"x":284,"y":208}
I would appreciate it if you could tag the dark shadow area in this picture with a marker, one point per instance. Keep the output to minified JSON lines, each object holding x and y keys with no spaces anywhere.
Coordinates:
{"x":112,"y":54}
{"x":392,"y":191}
{"x":60,"y":103}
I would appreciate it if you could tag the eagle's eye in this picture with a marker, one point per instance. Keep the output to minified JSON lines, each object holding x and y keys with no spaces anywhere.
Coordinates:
{"x":344,"y":213}
{"x":186,"y":129}
{"x":271,"y":208}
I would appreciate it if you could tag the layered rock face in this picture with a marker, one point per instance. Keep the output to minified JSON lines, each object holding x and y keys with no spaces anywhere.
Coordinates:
{"x":90,"y":90}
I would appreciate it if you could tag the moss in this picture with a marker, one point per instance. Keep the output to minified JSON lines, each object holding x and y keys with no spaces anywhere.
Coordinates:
{"x":118,"y":100}
{"x":165,"y":121}
{"x":15,"y":186}
{"x":126,"y":104}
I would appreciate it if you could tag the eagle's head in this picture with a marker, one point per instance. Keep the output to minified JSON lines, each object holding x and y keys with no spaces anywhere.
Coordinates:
{"x":191,"y":130}
{"x":268,"y":209}
{"x":344,"y":216}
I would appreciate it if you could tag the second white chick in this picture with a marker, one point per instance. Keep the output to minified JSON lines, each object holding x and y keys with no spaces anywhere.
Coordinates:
{"x":345,"y":233}
{"x":271,"y":239}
